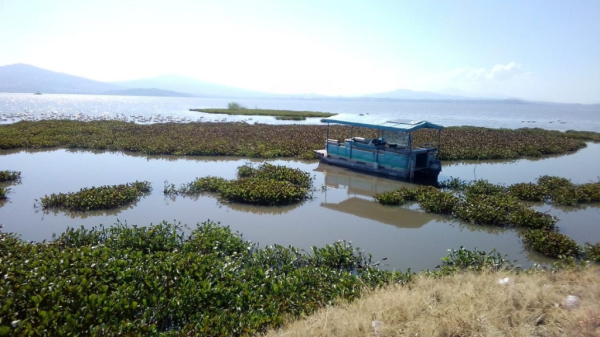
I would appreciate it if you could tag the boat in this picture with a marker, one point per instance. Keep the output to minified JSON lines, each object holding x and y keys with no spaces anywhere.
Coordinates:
{"x":37,"y":93}
{"x":391,"y":154}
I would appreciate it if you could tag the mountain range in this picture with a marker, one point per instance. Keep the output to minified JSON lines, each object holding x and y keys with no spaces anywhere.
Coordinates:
{"x":23,"y":78}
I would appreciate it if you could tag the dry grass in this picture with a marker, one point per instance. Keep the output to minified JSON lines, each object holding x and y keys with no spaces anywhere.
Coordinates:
{"x":467,"y":304}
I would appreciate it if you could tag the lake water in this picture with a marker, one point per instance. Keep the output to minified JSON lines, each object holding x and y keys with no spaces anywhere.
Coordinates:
{"x":448,"y":113}
{"x":342,"y":206}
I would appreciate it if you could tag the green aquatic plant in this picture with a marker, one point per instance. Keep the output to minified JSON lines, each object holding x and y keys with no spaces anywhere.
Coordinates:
{"x":265,"y":184}
{"x":432,"y":200}
{"x":205,"y":184}
{"x":9,"y":176}
{"x":551,"y":243}
{"x":592,"y":252}
{"x":155,"y":280}
{"x":465,"y":259}
{"x":262,"y":191}
{"x":268,"y":141}
{"x":3,"y":192}
{"x":103,"y":197}
{"x":397,"y":197}
{"x":527,"y":191}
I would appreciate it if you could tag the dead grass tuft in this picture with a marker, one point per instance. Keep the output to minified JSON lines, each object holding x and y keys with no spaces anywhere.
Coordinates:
{"x":467,"y":304}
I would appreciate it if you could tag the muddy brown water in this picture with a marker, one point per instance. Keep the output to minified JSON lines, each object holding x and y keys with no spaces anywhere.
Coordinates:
{"x":342,"y":206}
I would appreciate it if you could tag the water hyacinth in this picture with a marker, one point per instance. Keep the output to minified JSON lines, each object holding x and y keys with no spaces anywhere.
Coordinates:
{"x":551,"y":243}
{"x":268,"y":141}
{"x":266,"y":184}
{"x":103,"y":197}
{"x":129,"y":280}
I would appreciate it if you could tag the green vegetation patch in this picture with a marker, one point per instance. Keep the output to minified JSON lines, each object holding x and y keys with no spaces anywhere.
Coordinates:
{"x":266,"y":184}
{"x":557,"y":190}
{"x":269,"y":141}
{"x":150,"y":281}
{"x":9,"y":176}
{"x":3,"y":192}
{"x":287,"y":114}
{"x":103,"y":197}
{"x":551,"y":243}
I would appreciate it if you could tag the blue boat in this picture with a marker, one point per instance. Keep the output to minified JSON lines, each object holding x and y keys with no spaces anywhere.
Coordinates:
{"x":391,"y":153}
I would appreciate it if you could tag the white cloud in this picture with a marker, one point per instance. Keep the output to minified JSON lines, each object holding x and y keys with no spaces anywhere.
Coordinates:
{"x":499,"y":72}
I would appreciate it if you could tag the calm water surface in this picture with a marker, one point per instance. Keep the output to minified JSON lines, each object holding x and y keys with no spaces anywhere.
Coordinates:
{"x":342,"y":207}
{"x":447,"y":113}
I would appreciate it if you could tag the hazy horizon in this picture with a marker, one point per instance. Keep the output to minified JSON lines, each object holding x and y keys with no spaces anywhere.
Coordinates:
{"x":536,"y":50}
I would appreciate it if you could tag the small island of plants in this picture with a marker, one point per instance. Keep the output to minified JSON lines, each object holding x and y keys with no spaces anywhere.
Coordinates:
{"x":234,"y":108}
{"x":485,"y":203}
{"x":267,"y":184}
{"x":94,"y":198}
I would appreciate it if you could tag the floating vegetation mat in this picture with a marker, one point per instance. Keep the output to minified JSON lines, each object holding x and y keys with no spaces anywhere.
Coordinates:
{"x":131,"y":281}
{"x":266,"y":184}
{"x":103,"y":197}
{"x":484,"y":203}
{"x":268,"y":141}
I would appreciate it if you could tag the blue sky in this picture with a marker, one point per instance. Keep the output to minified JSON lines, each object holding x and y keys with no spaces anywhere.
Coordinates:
{"x":537,"y":50}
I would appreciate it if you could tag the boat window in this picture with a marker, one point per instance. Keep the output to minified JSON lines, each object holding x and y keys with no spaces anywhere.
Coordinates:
{"x":396,"y":137}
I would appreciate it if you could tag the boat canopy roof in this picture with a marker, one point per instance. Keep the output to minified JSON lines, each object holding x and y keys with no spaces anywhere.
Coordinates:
{"x":381,"y":123}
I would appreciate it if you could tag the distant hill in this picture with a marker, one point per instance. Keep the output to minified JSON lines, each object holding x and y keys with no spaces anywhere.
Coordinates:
{"x":147,"y":92}
{"x":192,"y":86}
{"x":26,"y":78}
{"x":416,"y":95}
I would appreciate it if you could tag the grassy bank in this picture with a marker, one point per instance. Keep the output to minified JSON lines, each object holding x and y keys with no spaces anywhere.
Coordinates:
{"x":466,"y":304}
{"x":269,"y":141}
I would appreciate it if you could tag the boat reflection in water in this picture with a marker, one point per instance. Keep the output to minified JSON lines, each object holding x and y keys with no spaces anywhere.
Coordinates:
{"x":359,"y":198}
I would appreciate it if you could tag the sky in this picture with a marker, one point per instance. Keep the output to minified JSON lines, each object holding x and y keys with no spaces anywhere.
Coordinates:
{"x":543,"y":50}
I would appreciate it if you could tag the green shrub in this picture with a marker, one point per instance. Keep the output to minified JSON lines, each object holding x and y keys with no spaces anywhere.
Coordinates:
{"x":103,"y":197}
{"x":3,"y":192}
{"x":234,"y":106}
{"x":551,"y":243}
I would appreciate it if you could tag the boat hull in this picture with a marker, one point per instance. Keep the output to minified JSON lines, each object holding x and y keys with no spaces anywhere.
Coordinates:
{"x":374,"y":168}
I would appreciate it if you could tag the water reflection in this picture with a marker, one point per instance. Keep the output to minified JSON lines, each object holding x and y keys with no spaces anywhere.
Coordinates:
{"x":85,"y":214}
{"x":580,"y":167}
